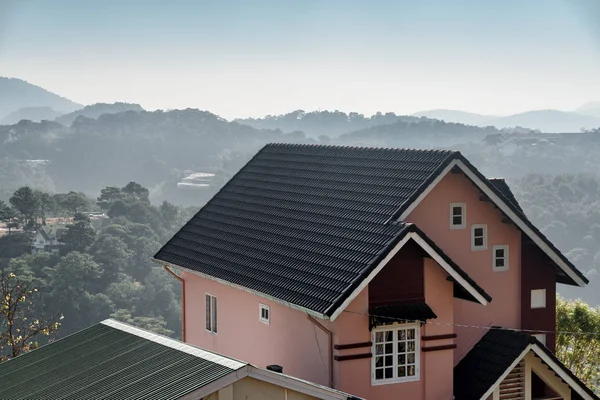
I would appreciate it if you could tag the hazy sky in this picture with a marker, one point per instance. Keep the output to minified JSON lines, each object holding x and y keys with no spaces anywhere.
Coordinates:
{"x":250,"y":58}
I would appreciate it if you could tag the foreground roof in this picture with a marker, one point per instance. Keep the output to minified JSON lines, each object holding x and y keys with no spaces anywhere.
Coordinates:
{"x":487,"y":362}
{"x":113,"y":360}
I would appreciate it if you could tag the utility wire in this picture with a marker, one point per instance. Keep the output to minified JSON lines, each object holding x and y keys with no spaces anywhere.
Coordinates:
{"x":429,"y":322}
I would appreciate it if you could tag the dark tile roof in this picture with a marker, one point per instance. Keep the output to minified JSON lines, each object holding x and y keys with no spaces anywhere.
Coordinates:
{"x":479,"y":370}
{"x":304,"y":224}
{"x":406,"y":311}
{"x":107,"y":362}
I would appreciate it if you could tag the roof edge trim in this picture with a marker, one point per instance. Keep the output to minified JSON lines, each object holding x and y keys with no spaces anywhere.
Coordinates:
{"x":254,"y":292}
{"x":497,"y":198}
{"x":175,"y":344}
{"x":414,"y":235}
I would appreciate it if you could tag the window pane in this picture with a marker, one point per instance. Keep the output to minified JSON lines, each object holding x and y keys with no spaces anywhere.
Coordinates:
{"x":389,"y":348}
{"x":410,"y":334}
{"x":457,"y":211}
{"x":389,"y":336}
{"x":379,"y":361}
{"x":401,"y":334}
{"x":401,"y":347}
{"x":402,"y":359}
{"x":411,"y":358}
{"x":478,"y":232}
{"x":499,"y":262}
{"x":214,"y":312}
{"x":208,"y":316}
{"x":411,"y":370}
{"x":401,"y":372}
{"x":379,"y":349}
{"x":378,"y":337}
{"x":379,"y":374}
{"x":457,"y":220}
{"x":500,"y":253}
{"x":389,"y":373}
{"x":478,"y":241}
{"x":388,"y":361}
{"x":411,"y":346}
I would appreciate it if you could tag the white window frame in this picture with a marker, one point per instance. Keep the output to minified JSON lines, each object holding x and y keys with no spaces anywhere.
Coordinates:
{"x":417,"y":352}
{"x":211,"y":307}
{"x":503,"y":247}
{"x":265,"y":307}
{"x":463,"y":207}
{"x":538,"y":298}
{"x":484,"y":246}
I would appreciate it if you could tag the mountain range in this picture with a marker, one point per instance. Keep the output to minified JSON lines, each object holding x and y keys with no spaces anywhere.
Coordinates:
{"x":21,"y":100}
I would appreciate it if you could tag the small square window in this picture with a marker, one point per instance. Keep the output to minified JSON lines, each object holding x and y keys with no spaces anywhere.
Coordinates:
{"x":541,"y":337}
{"x":538,"y":298}
{"x":478,"y":237}
{"x":264,"y":314}
{"x":500,"y":258}
{"x":458,"y":215}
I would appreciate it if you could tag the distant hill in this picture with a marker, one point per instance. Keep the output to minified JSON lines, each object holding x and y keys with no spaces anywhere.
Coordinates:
{"x":592,"y":109}
{"x":460,"y":117}
{"x":35,"y":114}
{"x":96,"y":110}
{"x":328,"y":123}
{"x":552,"y":121}
{"x":16,"y":94}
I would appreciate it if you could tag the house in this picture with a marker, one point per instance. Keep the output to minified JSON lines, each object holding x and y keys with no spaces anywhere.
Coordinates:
{"x":113,"y":360}
{"x":386,"y":273}
{"x":47,"y":239}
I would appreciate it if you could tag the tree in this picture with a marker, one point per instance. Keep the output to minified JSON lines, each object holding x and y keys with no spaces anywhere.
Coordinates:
{"x":9,"y":216}
{"x":579,"y":349}
{"x":27,"y":203}
{"x":46,"y":204}
{"x":108,"y":196}
{"x":136,"y":192}
{"x":152,"y":324}
{"x":21,"y":321}
{"x":80,"y":234}
{"x":168,"y":213}
{"x":72,"y":202}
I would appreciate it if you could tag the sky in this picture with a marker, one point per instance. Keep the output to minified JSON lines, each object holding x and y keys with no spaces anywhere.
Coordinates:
{"x":252,"y":58}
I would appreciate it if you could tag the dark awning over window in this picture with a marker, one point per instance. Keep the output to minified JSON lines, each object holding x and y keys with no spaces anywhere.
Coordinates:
{"x":400,"y":312}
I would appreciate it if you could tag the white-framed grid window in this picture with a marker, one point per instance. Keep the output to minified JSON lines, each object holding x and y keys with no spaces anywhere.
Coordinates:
{"x":264,"y":314}
{"x":211,"y":313}
{"x":538,"y":298}
{"x":478,"y":237}
{"x":500,"y":258}
{"x":395,"y":354}
{"x":458,"y":215}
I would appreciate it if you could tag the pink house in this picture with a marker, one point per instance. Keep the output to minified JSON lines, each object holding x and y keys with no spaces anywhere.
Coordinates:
{"x":385,"y":273}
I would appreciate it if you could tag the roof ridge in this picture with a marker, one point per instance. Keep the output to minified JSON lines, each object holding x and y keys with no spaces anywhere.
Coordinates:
{"x":175,"y":344}
{"x":349,"y":147}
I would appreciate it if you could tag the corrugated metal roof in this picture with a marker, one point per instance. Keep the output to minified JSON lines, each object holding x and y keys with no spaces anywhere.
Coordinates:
{"x":112,"y":360}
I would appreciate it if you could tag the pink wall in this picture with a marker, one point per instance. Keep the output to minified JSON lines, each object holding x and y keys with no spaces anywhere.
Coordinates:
{"x":432,"y":216}
{"x":435,"y":383}
{"x":437,"y":366}
{"x":291,"y":340}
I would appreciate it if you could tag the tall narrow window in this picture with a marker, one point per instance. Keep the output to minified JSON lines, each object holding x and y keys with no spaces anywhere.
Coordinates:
{"x":538,"y":298}
{"x":211,"y":313}
{"x":458,"y":215}
{"x":264,"y":314}
{"x":395,"y":354}
{"x":500,"y":258}
{"x":478,"y":237}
